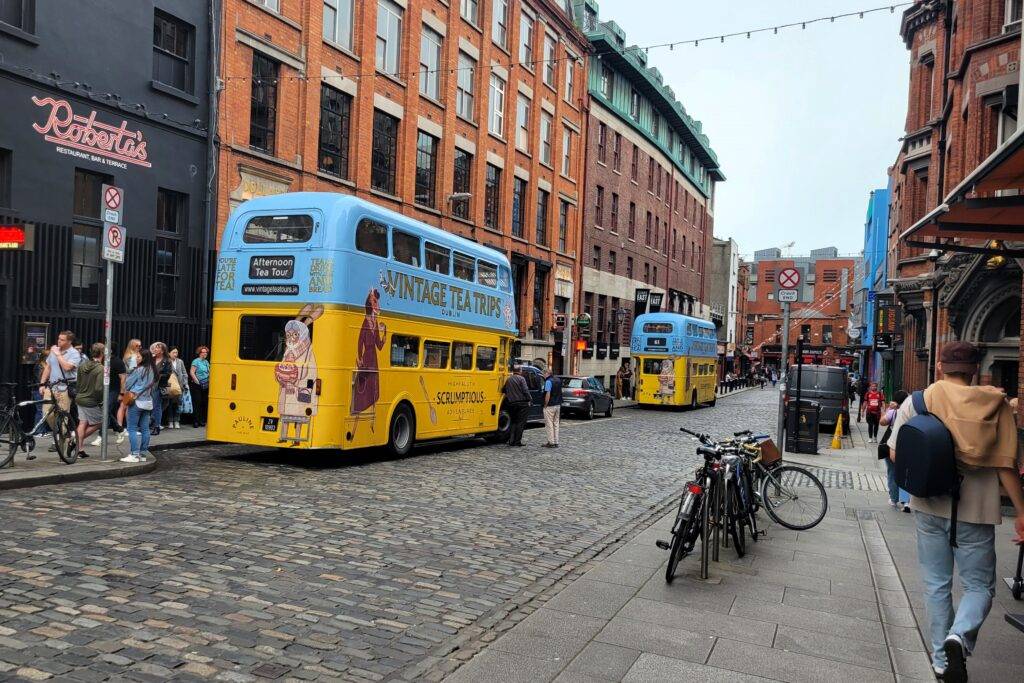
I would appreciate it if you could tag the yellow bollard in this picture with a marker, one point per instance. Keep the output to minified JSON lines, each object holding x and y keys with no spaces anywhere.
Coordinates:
{"x":837,"y":438}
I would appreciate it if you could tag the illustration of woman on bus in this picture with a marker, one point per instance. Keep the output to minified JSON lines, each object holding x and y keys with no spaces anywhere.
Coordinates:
{"x":297,"y":374}
{"x":366,"y":382}
{"x":666,"y":379}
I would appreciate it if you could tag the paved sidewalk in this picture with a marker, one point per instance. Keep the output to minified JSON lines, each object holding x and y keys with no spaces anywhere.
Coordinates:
{"x":47,"y":468}
{"x":839,"y":602}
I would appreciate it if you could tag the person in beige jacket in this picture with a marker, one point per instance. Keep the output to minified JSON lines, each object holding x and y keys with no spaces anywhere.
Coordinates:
{"x":985,"y":440}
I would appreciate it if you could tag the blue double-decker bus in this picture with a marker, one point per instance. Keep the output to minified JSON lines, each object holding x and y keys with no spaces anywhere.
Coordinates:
{"x":676,"y":359}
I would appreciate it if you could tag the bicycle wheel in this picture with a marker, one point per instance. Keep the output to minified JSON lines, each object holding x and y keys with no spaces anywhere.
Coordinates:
{"x":705,"y":528}
{"x":793,"y":497}
{"x":65,"y":438}
{"x":9,"y":439}
{"x":749,"y":517}
{"x":681,"y":540}
{"x":733,"y":518}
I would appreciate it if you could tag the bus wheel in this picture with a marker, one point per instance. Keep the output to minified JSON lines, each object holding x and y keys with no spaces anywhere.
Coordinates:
{"x":402,"y":432}
{"x":693,"y":401}
{"x":504,"y":424}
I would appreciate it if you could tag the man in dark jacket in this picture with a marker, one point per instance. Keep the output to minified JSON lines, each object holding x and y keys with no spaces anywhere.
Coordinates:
{"x":90,"y":396}
{"x":517,"y":398}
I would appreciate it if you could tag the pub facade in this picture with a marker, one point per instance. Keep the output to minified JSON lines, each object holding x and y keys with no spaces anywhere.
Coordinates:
{"x":119,"y":96}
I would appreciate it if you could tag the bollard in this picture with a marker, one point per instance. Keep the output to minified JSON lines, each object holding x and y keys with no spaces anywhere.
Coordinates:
{"x":837,"y":438}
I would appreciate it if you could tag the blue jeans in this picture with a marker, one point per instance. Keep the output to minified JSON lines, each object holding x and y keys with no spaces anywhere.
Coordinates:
{"x":975,"y":560}
{"x":896,"y":494}
{"x":138,"y":428}
{"x":158,"y":408}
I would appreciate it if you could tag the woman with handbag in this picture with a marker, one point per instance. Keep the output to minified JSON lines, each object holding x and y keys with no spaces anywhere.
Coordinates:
{"x":200,"y":375}
{"x":140,"y":387}
{"x":898,"y":498}
{"x":177,"y":389}
{"x":163,"y":371}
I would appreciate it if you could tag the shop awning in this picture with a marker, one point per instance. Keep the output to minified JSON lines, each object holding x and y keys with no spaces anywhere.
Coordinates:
{"x":986,"y":205}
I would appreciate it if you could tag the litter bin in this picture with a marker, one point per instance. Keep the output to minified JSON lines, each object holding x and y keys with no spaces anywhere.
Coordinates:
{"x":802,"y":426}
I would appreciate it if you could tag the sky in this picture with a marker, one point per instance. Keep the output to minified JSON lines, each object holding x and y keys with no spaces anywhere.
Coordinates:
{"x":804,"y":123}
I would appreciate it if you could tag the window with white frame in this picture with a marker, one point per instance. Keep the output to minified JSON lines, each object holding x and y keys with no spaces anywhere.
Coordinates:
{"x":464,"y":86}
{"x":523,"y":123}
{"x":607,"y":81}
{"x":338,"y":22}
{"x":550,"y":65}
{"x":499,"y":23}
{"x":496,"y":106}
{"x":389,"y":36}
{"x":566,"y":152}
{"x":470,"y":10}
{"x":1012,"y":16}
{"x":526,"y":23}
{"x":270,"y":4}
{"x":546,"y":123}
{"x":570,"y":68}
{"x":430,"y":63}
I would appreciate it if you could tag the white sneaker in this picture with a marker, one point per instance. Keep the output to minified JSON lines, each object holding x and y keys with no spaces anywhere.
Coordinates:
{"x":122,"y":436}
{"x":98,"y":441}
{"x":131,"y":458}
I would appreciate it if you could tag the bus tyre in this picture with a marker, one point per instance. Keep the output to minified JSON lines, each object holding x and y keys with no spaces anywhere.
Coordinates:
{"x":504,"y":424}
{"x":402,"y":433}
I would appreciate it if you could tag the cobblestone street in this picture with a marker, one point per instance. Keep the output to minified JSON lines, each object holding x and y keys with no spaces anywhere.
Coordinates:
{"x":237,"y":564}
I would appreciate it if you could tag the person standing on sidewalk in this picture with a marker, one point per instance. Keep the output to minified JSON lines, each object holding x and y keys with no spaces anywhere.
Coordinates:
{"x":898,"y":498}
{"x":62,"y":367}
{"x":199,"y":373}
{"x":518,"y":399}
{"x":90,"y":396}
{"x":163,"y":368}
{"x":141,"y":383}
{"x":174,"y":403}
{"x":984,"y":433}
{"x":874,"y":402}
{"x":552,"y":407}
{"x":862,"y":390}
{"x":115,"y":421}
{"x":625,"y":379}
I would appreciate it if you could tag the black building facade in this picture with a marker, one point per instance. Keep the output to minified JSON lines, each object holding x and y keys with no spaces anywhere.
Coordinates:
{"x":96,"y":92}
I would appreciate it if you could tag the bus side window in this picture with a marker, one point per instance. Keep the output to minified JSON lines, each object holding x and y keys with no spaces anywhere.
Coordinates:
{"x":485,"y":357}
{"x":504,"y":279}
{"x":487,"y":274}
{"x":405,"y":247}
{"x":435,"y":354}
{"x":438,"y":258}
{"x":404,"y":351}
{"x":462,"y":356}
{"x":465,"y":267}
{"x":503,"y":360}
{"x":372,"y":237}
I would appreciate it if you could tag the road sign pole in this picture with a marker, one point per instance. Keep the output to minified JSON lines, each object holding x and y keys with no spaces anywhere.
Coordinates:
{"x":784,"y":375}
{"x":107,"y":320}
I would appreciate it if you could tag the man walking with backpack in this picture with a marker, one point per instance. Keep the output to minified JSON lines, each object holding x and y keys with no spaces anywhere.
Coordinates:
{"x":952,"y":445}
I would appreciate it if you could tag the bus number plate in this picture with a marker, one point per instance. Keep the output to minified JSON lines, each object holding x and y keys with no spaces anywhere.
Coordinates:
{"x":270,"y":424}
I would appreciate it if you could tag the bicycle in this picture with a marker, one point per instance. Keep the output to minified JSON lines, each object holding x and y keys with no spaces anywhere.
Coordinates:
{"x":13,"y":437}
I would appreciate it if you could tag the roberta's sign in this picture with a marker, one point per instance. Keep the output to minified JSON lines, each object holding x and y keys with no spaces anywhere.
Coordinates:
{"x":86,"y":138}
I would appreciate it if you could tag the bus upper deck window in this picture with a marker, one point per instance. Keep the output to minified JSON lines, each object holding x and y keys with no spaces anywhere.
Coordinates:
{"x":487,"y":274}
{"x":278,"y":229}
{"x":465,"y":267}
{"x":504,"y":279}
{"x":372,"y":237}
{"x":405,"y":247}
{"x":438,"y":258}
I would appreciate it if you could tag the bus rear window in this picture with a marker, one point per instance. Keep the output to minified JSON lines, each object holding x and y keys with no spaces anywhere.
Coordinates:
{"x":278,"y":229}
{"x":261,"y":337}
{"x":372,"y":237}
{"x":652,"y":366}
{"x":657,"y":328}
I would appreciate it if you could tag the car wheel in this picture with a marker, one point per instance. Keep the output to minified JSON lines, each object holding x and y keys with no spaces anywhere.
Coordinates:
{"x":611,"y":406}
{"x":590,"y":411}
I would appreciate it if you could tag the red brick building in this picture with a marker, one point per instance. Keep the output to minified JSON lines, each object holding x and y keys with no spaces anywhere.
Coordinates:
{"x":466,"y":115}
{"x":820,"y":317}
{"x":649,"y":208}
{"x":962,"y":104}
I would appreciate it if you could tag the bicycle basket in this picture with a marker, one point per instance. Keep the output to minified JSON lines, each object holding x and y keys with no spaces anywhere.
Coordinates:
{"x":770,"y":454}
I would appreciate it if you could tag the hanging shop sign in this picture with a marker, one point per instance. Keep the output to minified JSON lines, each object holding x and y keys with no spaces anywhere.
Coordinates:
{"x":85,"y":137}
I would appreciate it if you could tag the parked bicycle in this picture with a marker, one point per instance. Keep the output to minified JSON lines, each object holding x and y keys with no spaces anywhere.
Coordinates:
{"x":735,"y":481}
{"x":13,"y":438}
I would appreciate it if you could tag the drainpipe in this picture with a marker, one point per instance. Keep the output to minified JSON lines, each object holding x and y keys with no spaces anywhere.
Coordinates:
{"x":211,"y":167}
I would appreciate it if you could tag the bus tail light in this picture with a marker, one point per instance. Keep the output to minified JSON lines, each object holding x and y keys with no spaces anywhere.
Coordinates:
{"x":317,"y":386}
{"x":234,"y":379}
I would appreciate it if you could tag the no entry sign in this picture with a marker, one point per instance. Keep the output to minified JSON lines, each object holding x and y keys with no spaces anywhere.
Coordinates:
{"x":113,"y":204}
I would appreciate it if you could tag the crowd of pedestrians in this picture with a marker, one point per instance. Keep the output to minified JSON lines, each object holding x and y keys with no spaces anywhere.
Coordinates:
{"x":151,"y":388}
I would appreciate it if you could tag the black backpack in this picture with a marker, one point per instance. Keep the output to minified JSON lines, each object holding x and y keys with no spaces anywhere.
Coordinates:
{"x":926,"y":459}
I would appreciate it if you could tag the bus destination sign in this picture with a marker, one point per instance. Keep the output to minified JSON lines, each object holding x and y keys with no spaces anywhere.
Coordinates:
{"x":272,"y":267}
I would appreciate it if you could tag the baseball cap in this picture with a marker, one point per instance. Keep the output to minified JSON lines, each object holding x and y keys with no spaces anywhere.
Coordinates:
{"x":959,"y":357}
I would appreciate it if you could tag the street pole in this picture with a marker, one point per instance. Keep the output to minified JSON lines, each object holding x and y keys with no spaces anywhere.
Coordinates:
{"x":106,"y":359}
{"x":783,"y":376}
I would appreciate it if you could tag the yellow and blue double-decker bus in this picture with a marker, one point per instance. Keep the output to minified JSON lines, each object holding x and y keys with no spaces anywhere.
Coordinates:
{"x":676,"y":358}
{"x":341,"y":324}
